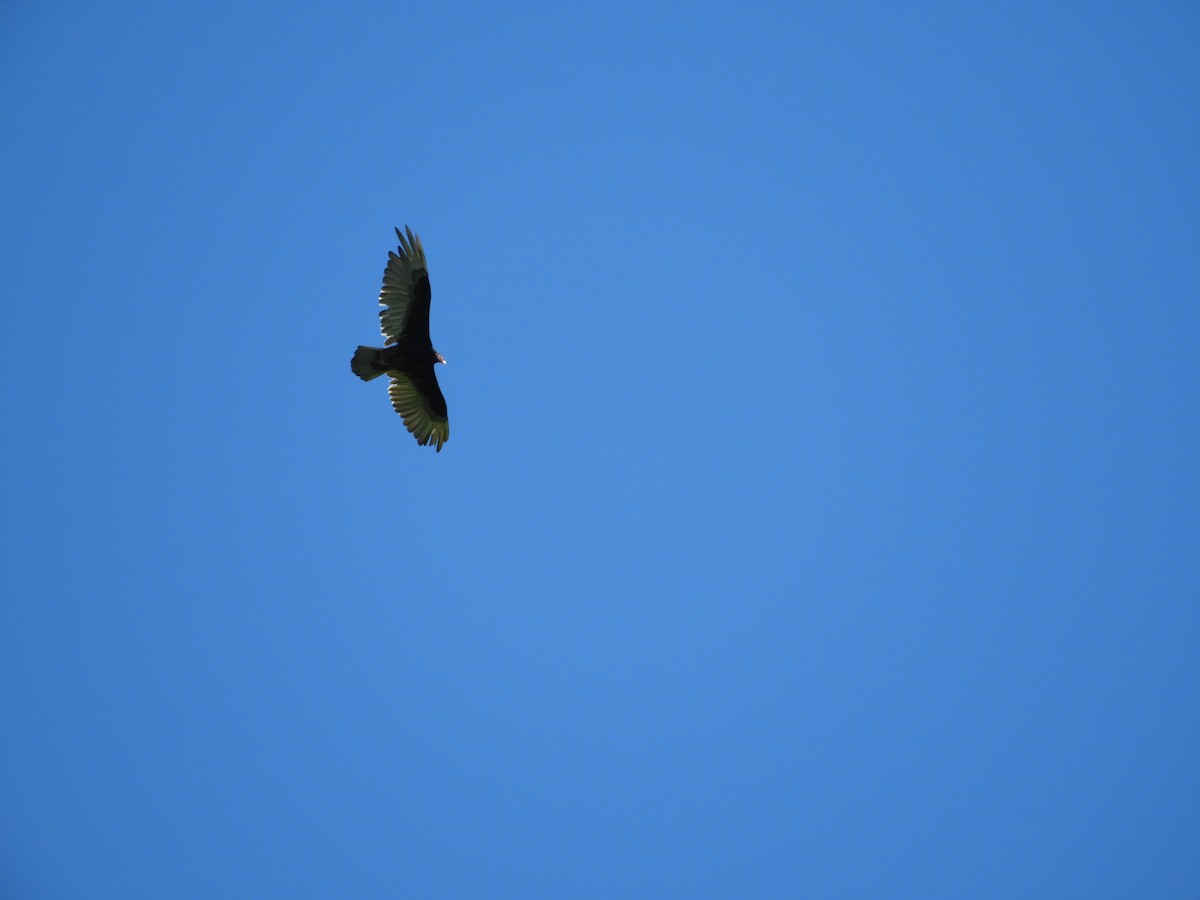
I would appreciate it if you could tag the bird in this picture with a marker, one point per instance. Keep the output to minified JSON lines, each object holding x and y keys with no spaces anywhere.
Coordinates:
{"x":409,"y":358}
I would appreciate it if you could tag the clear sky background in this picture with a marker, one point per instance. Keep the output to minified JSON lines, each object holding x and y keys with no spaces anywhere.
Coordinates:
{"x":821,"y":514}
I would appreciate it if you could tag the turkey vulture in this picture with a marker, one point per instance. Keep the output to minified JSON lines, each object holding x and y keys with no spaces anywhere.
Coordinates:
{"x":409,"y":357}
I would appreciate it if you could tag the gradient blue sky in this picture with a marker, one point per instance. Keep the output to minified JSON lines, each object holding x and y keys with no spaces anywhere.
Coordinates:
{"x":821,"y":516}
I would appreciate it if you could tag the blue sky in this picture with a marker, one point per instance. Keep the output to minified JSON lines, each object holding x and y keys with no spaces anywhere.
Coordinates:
{"x":821,"y":514}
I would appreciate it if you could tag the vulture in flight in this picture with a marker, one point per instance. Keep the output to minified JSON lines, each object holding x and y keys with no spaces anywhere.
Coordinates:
{"x":409,"y":357}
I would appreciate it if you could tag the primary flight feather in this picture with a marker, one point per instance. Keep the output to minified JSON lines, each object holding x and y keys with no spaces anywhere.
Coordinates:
{"x":409,"y":357}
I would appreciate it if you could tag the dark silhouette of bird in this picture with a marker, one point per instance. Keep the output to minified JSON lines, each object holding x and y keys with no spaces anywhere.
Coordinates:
{"x":409,"y":357}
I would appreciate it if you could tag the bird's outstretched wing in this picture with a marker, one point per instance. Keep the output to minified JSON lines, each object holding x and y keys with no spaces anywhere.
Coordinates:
{"x":419,"y":401}
{"x":405,"y":293}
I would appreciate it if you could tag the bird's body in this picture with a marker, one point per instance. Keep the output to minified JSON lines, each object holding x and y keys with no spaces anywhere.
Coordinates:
{"x":409,"y":357}
{"x":405,"y":356}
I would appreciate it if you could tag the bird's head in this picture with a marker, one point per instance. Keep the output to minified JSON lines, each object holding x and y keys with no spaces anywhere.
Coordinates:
{"x":439,"y":357}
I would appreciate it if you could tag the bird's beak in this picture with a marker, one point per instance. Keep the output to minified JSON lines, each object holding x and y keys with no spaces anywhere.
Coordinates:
{"x":441,"y":359}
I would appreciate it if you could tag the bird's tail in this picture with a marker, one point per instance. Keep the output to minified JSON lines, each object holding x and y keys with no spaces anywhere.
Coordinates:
{"x":363,"y":363}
